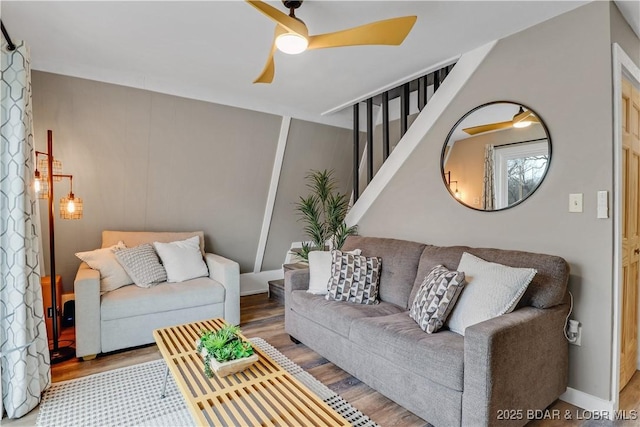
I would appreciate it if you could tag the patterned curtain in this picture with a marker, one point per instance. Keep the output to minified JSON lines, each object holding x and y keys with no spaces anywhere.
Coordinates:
{"x":488,"y":186}
{"x":24,"y":351}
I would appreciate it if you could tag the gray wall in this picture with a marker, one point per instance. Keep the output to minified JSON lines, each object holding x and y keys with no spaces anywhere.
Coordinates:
{"x":622,"y":34}
{"x":148,"y":161}
{"x":309,"y":146}
{"x":562,"y":69}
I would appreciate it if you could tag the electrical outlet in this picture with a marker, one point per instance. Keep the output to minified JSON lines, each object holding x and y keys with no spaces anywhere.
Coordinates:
{"x":579,"y":337}
{"x":575,"y":332}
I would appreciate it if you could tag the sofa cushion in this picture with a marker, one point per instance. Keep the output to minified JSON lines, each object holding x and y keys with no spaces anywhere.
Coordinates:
{"x":547,"y":289}
{"x":336,"y":315}
{"x":399,"y":340}
{"x":135,"y":301}
{"x":399,"y":264}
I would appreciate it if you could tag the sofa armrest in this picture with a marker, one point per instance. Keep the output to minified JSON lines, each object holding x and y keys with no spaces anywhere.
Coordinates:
{"x":515,"y":362}
{"x":295,"y":280}
{"x":227,"y":272}
{"x":87,"y":311}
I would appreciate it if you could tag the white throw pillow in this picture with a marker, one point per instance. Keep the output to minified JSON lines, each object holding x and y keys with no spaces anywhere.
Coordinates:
{"x":112,"y":275}
{"x":320,"y":270}
{"x":182,"y":259}
{"x":492,"y":290}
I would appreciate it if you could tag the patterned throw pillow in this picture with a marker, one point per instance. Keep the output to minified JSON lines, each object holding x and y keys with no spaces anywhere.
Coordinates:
{"x":142,"y":265}
{"x":354,"y":278}
{"x":436,"y":298}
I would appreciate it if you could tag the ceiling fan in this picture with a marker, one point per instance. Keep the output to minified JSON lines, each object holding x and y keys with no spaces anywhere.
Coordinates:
{"x":292,"y":37}
{"x":521,"y":119}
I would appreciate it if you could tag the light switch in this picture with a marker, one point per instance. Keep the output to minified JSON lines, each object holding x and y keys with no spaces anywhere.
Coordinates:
{"x":575,"y":202}
{"x":603,"y":204}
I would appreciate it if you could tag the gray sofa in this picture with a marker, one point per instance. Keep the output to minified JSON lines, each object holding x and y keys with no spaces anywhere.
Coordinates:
{"x":127,"y":316}
{"x":518,"y":361}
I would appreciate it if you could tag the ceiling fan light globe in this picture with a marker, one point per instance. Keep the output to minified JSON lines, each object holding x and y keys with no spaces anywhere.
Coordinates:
{"x":291,"y":44}
{"x":522,"y":124}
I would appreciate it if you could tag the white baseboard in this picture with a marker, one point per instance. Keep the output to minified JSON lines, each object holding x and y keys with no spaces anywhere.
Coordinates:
{"x":258,"y":283}
{"x":587,"y":401}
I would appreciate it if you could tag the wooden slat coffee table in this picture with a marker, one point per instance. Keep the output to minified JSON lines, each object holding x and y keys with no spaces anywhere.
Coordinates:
{"x":265,"y":394}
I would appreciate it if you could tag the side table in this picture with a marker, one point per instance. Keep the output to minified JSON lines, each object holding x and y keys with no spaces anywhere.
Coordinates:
{"x":276,"y":287}
{"x":45,"y":282}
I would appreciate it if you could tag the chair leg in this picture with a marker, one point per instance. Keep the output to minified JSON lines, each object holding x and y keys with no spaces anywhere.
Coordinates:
{"x":295,"y":341}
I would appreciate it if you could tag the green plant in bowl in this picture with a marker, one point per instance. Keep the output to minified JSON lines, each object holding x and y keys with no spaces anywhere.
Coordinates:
{"x":222,"y":345}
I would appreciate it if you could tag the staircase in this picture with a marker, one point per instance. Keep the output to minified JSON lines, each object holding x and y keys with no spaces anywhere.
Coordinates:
{"x":393,"y":110}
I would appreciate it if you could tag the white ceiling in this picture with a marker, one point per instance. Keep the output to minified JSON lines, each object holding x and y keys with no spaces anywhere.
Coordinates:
{"x":213,"y":50}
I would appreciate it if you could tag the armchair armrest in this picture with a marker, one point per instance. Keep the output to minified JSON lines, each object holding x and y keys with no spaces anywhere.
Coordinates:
{"x":87,"y":296}
{"x":227,"y":272}
{"x":515,"y":362}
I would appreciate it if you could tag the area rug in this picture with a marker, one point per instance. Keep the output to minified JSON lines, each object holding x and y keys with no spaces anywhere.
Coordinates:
{"x":131,"y":397}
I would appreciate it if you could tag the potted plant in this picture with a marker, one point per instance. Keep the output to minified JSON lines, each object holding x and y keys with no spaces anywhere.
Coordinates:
{"x":322,"y":212}
{"x":224,"y":351}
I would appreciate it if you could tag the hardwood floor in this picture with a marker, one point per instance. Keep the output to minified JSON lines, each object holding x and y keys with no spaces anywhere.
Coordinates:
{"x":261,"y":317}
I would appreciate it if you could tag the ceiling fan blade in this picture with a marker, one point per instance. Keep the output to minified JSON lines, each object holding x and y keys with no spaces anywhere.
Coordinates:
{"x":289,"y":23}
{"x":474,"y":130}
{"x":387,"y":32}
{"x":270,"y":67}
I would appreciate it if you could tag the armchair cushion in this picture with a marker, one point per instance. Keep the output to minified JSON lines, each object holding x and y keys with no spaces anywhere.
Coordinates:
{"x":137,"y":238}
{"x":132,"y":301}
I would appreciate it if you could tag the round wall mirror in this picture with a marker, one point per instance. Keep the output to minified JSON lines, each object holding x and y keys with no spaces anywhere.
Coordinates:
{"x":496,"y":156}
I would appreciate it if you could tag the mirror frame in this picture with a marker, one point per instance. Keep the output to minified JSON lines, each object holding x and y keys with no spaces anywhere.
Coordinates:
{"x":455,"y":126}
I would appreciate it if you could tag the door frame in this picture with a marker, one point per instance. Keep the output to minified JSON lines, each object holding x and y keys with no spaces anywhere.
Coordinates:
{"x":622,"y":66}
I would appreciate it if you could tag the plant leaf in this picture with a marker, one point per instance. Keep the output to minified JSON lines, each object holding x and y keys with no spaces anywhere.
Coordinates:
{"x":323,"y":212}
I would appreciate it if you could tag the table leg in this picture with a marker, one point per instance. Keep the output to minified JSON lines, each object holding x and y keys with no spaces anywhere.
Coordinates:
{"x":164,"y":387}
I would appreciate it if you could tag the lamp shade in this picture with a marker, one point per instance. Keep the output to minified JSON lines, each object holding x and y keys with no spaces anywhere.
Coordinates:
{"x":43,"y":168}
{"x":42,"y":188}
{"x":71,"y":207}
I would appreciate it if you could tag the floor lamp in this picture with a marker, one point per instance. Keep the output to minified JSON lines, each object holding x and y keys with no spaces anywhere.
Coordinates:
{"x":49,"y":170}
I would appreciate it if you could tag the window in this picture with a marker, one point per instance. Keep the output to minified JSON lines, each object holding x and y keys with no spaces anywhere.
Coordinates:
{"x":519,"y":168}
